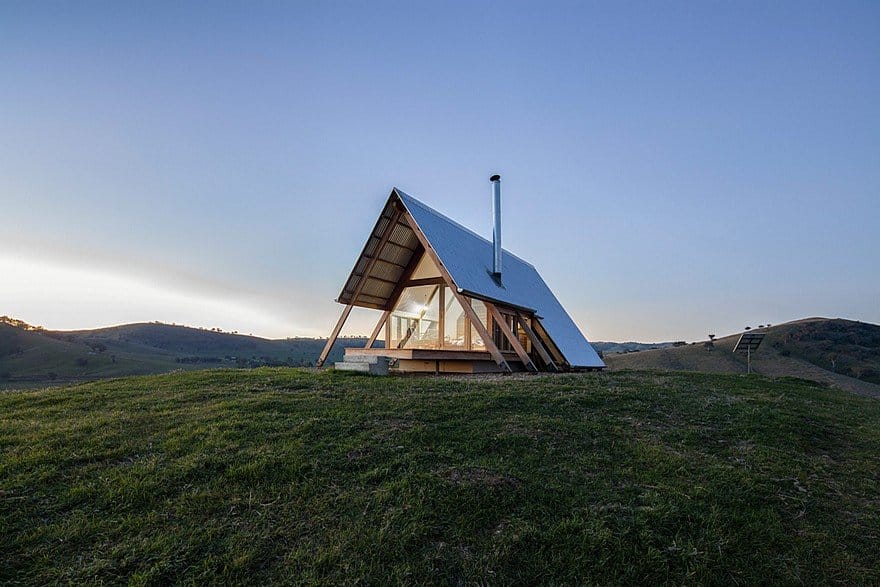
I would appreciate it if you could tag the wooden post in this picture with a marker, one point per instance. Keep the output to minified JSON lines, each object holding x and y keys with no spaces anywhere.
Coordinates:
{"x":514,"y":341}
{"x":441,"y":318}
{"x":334,"y":336}
{"x":536,"y":342}
{"x":551,"y":347}
{"x":377,"y":329}
{"x":483,"y":332}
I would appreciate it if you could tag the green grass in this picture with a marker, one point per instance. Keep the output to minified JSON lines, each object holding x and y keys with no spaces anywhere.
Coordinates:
{"x":287,"y":475}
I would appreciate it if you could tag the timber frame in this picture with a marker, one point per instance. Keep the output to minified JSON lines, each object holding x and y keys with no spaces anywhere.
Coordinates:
{"x":513,"y":338}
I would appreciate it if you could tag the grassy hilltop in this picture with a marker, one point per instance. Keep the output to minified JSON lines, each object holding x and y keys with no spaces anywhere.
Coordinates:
{"x":282,"y":474}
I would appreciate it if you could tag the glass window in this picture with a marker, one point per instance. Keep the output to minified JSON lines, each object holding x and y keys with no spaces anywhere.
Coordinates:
{"x":455,"y":322}
{"x":501,"y":341}
{"x":415,"y":321}
{"x":479,"y":307}
{"x":524,"y":339}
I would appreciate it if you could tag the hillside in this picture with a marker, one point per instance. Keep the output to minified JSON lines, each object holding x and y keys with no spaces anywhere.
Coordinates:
{"x":627,"y":347}
{"x":842,"y":353}
{"x":41,"y":357}
{"x":291,"y":476}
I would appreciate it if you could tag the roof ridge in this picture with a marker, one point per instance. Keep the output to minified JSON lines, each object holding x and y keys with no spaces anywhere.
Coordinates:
{"x":418,"y":202}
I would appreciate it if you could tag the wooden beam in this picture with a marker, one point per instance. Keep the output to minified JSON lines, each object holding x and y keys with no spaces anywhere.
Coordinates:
{"x":334,"y":335}
{"x":372,"y":260}
{"x":379,"y":278}
{"x":483,"y":332}
{"x":370,"y":305}
{"x":511,"y":337}
{"x":362,"y":296}
{"x":475,"y":320}
{"x":426,"y":354}
{"x":367,"y":257}
{"x":554,"y":351}
{"x":397,"y":244}
{"x":536,"y":342}
{"x":425,"y":281}
{"x":377,"y":329}
{"x":441,"y":318}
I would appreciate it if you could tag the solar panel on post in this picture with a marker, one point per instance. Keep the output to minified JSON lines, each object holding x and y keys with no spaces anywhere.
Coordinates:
{"x":748,"y":342}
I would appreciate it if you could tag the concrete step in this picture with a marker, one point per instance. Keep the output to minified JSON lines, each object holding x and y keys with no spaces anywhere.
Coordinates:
{"x":346,"y":366}
{"x":351,"y":358}
{"x":380,"y":367}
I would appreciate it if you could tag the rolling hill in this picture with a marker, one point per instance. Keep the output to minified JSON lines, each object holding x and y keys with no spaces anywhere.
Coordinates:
{"x":837,"y":352}
{"x":269,"y":475}
{"x":627,"y":347}
{"x":31,"y":357}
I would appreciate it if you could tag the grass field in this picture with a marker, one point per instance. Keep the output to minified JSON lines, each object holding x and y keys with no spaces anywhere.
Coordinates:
{"x":297,"y":476}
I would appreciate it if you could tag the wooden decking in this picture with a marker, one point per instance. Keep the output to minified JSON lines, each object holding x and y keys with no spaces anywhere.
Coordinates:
{"x":439,"y":360}
{"x":428,"y":354}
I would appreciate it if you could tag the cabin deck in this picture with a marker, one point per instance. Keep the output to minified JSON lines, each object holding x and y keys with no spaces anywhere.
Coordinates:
{"x":439,"y":360}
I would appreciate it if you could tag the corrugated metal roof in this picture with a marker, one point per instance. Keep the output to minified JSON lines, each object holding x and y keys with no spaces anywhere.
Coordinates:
{"x":468,"y":258}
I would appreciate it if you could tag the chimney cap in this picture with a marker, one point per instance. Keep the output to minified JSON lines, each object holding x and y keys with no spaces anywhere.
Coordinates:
{"x":495,"y":177}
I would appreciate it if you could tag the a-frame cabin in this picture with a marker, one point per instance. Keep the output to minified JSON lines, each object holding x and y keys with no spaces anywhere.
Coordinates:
{"x":447,"y":306}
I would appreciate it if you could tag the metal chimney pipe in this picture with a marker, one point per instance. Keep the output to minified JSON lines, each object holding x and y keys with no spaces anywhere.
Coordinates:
{"x":496,"y":226}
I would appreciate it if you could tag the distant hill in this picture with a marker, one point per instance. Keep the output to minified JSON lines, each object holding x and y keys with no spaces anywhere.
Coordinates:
{"x":31,"y":356}
{"x":842,"y":353}
{"x":628,"y":347}
{"x":838,"y":352}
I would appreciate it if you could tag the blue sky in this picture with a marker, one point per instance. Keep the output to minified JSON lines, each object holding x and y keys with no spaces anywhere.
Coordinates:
{"x":672,"y":169}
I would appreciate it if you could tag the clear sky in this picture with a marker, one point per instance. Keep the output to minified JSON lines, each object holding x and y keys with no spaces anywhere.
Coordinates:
{"x":672,"y":169}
